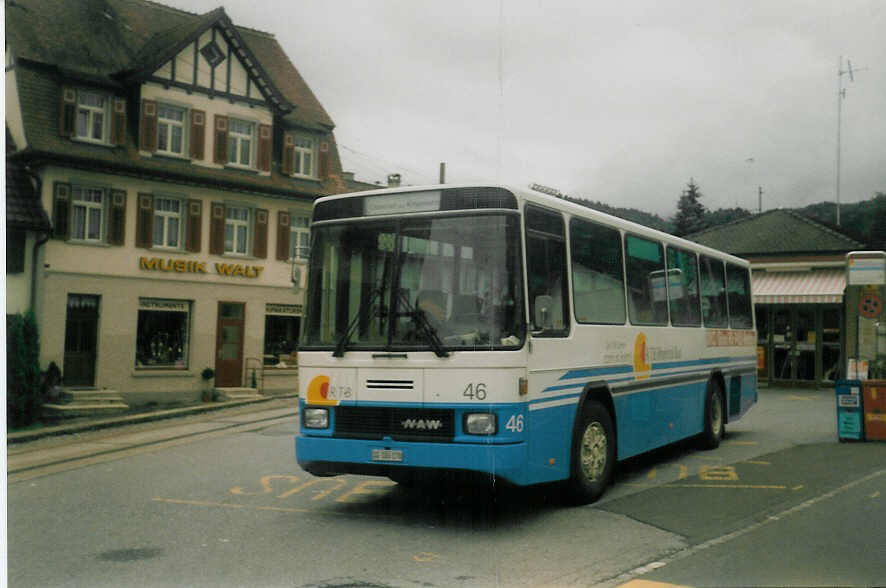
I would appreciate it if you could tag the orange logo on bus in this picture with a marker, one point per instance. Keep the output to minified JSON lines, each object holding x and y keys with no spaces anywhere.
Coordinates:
{"x":640,"y":363}
{"x":318,"y":391}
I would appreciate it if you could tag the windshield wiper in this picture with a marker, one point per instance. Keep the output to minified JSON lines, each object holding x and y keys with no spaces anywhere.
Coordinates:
{"x":365,"y":306}
{"x":418,"y":315}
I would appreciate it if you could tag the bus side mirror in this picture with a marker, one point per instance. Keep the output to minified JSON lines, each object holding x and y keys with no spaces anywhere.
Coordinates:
{"x":543,"y":306}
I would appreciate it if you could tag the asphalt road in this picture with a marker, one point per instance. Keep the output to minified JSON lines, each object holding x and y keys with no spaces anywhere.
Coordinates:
{"x":780,"y":502}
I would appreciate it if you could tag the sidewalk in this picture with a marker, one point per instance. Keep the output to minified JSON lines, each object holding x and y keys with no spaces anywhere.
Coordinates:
{"x":94,"y":438}
{"x":91,"y":424}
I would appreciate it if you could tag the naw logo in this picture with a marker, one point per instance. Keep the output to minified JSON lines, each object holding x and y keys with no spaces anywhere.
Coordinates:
{"x":421,"y":424}
{"x":641,"y":358}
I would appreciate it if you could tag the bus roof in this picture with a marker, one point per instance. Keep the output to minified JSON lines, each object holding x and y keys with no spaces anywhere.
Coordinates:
{"x":559,"y":204}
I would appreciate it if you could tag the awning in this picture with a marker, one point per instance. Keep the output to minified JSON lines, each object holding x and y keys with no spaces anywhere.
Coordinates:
{"x":810,"y":287}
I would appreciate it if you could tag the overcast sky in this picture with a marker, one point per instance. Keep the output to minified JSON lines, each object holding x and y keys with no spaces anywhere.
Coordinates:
{"x":621,"y":101}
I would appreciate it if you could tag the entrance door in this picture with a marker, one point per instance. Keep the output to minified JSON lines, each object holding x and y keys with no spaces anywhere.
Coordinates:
{"x":81,"y":328}
{"x":229,"y":344}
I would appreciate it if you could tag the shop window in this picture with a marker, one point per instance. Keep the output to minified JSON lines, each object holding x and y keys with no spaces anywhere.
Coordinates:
{"x":281,"y":335}
{"x":162,"y":334}
{"x":645,"y":272}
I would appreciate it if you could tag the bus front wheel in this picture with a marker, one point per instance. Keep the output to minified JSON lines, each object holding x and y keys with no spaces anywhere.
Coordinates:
{"x":593,"y":454}
{"x":714,"y":421}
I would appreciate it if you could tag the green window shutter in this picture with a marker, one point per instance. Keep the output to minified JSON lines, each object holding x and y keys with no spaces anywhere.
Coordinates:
{"x":61,"y":210}
{"x":117,"y":221}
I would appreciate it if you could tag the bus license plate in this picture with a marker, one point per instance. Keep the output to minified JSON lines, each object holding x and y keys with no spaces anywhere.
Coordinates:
{"x":387,"y":455}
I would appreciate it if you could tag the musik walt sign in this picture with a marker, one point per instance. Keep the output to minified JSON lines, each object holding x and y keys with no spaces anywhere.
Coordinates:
{"x":187,"y":266}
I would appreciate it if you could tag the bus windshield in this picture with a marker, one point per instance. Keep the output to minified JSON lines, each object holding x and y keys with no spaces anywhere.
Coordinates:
{"x":437,"y":283}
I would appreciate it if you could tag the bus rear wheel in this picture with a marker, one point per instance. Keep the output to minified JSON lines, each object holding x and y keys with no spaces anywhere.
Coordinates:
{"x":593,"y":454}
{"x":714,"y":421}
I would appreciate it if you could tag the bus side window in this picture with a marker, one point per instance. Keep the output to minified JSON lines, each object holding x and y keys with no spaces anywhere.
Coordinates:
{"x":645,"y":272}
{"x":713,"y":292}
{"x":683,"y":288}
{"x":738,"y":293}
{"x":598,"y":290}
{"x":546,"y":271}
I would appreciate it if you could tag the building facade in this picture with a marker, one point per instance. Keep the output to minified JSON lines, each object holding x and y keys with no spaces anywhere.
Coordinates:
{"x":798,"y":282}
{"x":177,"y":157}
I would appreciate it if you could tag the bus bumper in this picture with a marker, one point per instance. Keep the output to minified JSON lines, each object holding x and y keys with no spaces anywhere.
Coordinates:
{"x":324,"y":456}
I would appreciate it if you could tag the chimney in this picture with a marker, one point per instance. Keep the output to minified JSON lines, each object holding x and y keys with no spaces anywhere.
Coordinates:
{"x":393,"y":180}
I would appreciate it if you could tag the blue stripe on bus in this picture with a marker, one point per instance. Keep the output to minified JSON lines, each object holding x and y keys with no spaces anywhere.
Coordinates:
{"x":588,"y":374}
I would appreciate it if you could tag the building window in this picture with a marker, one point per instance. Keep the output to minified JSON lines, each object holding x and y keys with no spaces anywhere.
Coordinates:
{"x":87,"y":214}
{"x":282,"y":326}
{"x":299,"y":237}
{"x":92,"y":116}
{"x":162,"y":334}
{"x":240,"y":141}
{"x":303,"y":162}
{"x":167,"y":222}
{"x":212,"y":54}
{"x":237,"y":229}
{"x":170,"y":129}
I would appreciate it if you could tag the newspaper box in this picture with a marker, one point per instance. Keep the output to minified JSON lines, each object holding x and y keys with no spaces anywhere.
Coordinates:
{"x":849,"y":410}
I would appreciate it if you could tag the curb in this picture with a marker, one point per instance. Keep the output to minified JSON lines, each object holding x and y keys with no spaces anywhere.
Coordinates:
{"x":106,"y":423}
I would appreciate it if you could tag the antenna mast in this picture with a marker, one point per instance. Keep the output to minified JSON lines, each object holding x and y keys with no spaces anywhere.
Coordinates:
{"x":841,"y":94}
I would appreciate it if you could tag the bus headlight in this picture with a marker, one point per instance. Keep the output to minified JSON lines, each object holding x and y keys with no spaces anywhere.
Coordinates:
{"x":480,"y":423}
{"x":316,"y":418}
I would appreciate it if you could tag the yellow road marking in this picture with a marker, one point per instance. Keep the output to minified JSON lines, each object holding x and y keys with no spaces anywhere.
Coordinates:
{"x":875,"y":494}
{"x":795,"y":488}
{"x":650,"y":584}
{"x":741,"y":443}
{"x":743,"y":486}
{"x":425,"y":557}
{"x":757,"y":462}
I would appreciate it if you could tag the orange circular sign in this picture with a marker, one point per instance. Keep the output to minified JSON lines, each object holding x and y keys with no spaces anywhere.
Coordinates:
{"x":870,"y":306}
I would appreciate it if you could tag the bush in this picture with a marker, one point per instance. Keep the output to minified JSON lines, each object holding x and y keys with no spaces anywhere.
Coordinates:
{"x":22,"y":370}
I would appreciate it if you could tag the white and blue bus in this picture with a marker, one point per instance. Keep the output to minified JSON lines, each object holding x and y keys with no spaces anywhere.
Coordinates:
{"x":507,"y":332}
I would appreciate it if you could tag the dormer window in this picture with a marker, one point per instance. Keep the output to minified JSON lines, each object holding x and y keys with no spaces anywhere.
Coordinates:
{"x":212,"y":54}
{"x":241,"y":135}
{"x":170,"y":129}
{"x":92,"y":116}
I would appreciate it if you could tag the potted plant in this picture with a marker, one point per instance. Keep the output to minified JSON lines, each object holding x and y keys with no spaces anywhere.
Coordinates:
{"x":206,"y":375}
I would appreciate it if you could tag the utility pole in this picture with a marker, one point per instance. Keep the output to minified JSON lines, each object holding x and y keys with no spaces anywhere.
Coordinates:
{"x":841,"y":94}
{"x":442,"y":172}
{"x":759,"y":199}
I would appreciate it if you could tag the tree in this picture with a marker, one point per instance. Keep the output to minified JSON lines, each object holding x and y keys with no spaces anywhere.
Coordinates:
{"x":690,"y":212}
{"x":877,"y":235}
{"x":22,"y":370}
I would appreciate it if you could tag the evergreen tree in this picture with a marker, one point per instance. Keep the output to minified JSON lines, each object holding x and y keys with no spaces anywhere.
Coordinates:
{"x":877,"y":236}
{"x":690,"y":212}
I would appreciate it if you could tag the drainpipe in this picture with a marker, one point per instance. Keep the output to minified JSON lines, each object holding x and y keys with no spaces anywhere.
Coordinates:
{"x":40,"y":240}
